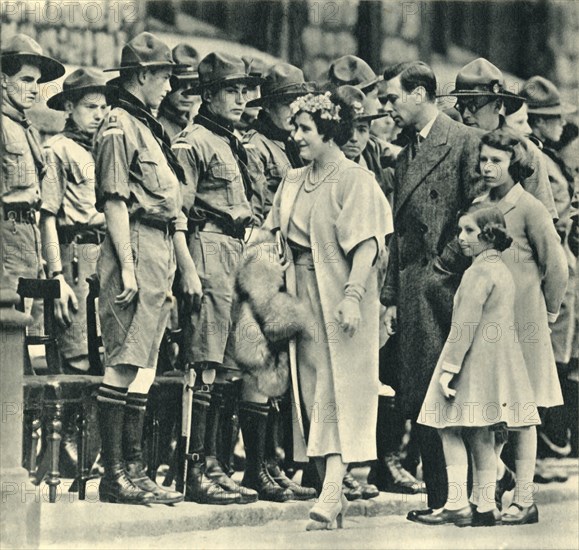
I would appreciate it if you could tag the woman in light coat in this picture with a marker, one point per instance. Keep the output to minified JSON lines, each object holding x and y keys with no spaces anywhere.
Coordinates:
{"x":335,"y":219}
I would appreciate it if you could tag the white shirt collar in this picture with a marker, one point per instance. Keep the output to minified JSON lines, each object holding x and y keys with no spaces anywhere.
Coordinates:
{"x":426,"y":130}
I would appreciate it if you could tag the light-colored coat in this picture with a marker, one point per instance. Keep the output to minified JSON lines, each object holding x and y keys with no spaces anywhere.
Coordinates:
{"x":537,"y":262}
{"x":490,"y":378}
{"x":348,"y":210}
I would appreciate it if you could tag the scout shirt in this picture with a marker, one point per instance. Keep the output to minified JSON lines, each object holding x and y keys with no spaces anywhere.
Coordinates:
{"x":131,"y":165}
{"x":211,"y":173}
{"x":21,"y":160}
{"x":274,"y":155}
{"x":68,"y":188}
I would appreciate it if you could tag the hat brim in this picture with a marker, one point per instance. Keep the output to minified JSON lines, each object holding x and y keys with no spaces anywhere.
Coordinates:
{"x":149,"y":65}
{"x":512,"y":101}
{"x":58,"y":100}
{"x":232,"y":79}
{"x":554,"y":110}
{"x":369,"y":84}
{"x":370,"y":118}
{"x":50,"y":69}
{"x":276,"y":98}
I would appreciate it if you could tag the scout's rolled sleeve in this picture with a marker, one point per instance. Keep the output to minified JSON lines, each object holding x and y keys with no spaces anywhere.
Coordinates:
{"x":53,"y":183}
{"x":180,"y":224}
{"x":112,"y":166}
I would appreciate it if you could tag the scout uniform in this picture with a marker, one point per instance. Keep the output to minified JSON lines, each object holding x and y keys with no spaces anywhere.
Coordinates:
{"x":134,"y":163}
{"x":480,"y":78}
{"x":22,"y":170}
{"x":544,"y":100}
{"x":276,"y":153}
{"x":275,"y":149}
{"x":174,"y":121}
{"x":68,"y":193}
{"x":217,"y":198}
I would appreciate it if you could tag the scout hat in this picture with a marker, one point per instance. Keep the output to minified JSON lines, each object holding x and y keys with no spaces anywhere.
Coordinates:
{"x":543,"y":98}
{"x":22,"y":47}
{"x":282,"y":81}
{"x":185,"y":75}
{"x":76,"y":85}
{"x":357,"y":100}
{"x":146,"y":51}
{"x":481,"y":78}
{"x":220,"y":68}
{"x":353,"y":71}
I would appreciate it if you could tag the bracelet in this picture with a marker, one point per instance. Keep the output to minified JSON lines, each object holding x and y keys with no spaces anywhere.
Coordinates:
{"x":56,"y":274}
{"x":354,"y":291}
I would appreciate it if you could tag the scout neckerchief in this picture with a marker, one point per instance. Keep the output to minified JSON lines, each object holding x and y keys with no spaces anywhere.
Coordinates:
{"x":178,"y":118}
{"x":73,"y":131}
{"x":264,"y":125}
{"x":222,"y":127}
{"x":119,"y":97}
{"x":31,"y":136}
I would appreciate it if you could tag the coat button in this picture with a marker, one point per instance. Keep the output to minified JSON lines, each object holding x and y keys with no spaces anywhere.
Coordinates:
{"x":424,"y":262}
{"x":401,"y":265}
{"x":423,"y":227}
{"x":433,"y":194}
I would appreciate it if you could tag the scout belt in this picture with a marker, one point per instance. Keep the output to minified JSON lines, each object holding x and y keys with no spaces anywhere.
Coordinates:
{"x":165,"y":227}
{"x":81,"y":235}
{"x":205,"y":217}
{"x":20,"y":213}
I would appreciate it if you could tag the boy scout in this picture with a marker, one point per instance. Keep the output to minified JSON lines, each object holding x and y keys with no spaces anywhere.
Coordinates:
{"x":276,"y":152}
{"x":217,"y":197}
{"x":175,"y":109}
{"x":70,"y":225}
{"x":138,"y":190}
{"x":24,"y":67}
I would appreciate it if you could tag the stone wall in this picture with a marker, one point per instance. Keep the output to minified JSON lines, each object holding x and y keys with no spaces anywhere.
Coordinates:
{"x":88,"y":33}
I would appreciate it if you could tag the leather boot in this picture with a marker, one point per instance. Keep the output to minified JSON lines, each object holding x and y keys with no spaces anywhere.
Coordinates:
{"x":115,"y":486}
{"x":133,"y":424}
{"x":253,"y":420}
{"x":274,"y":451}
{"x":214,"y":470}
{"x":229,"y":427}
{"x":390,"y":476}
{"x":299,"y":492}
{"x":198,"y":487}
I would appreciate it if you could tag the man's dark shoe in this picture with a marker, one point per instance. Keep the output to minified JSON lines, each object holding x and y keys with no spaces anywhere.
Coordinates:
{"x":462,"y":517}
{"x":137,"y":474}
{"x":486,"y":519}
{"x":351,"y":488}
{"x":390,"y":476}
{"x":413,"y":514}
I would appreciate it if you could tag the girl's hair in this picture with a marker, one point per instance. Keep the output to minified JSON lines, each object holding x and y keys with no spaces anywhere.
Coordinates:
{"x":493,"y":228}
{"x":506,"y":139}
{"x":340,"y":130}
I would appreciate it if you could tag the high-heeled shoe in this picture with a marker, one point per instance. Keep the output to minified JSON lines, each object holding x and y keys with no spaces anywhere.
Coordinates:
{"x":328,"y":518}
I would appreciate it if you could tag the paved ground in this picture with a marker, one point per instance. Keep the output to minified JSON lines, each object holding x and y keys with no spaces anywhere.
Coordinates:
{"x":378,"y":523}
{"x":558,"y":528}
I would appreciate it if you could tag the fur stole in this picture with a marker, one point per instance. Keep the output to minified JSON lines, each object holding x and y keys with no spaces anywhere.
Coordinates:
{"x":266,"y":317}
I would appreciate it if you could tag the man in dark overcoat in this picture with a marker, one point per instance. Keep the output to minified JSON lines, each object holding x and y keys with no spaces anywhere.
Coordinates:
{"x":435,"y":178}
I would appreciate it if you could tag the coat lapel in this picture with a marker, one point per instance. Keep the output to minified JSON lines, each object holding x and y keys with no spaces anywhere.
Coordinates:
{"x":433,"y":150}
{"x":289,"y":199}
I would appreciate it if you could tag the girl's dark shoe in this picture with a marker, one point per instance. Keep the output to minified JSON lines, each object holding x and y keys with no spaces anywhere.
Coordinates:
{"x":524,"y":516}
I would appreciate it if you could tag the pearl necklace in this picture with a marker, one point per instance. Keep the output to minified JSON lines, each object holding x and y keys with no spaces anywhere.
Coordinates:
{"x":310,"y":186}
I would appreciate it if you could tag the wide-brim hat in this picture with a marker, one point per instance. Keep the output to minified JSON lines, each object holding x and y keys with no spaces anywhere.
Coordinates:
{"x":353,"y":71}
{"x":21,"y":46}
{"x":481,"y":78}
{"x":218,"y":69}
{"x":77,"y":84}
{"x":543,"y":98}
{"x":360,"y":104}
{"x":282,"y":82}
{"x":146,"y":51}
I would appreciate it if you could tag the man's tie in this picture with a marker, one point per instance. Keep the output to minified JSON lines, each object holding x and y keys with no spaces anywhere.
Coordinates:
{"x":415,"y":144}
